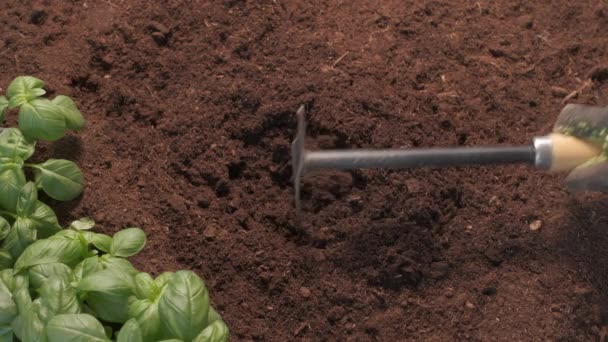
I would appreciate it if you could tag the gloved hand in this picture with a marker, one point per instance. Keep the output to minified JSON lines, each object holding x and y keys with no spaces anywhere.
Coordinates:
{"x":588,"y":123}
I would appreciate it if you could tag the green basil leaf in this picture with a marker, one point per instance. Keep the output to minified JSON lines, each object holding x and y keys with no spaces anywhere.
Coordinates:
{"x":28,"y":196}
{"x":45,"y":220}
{"x":14,"y":282}
{"x":22,"y":298}
{"x":162,"y":279}
{"x":5,"y":228}
{"x":109,"y":307}
{"x":67,"y":107}
{"x":33,"y":328}
{"x":57,"y":297}
{"x":41,"y":119}
{"x":4,"y":286}
{"x":84,"y":223}
{"x":146,"y":313}
{"x":40,"y":274}
{"x":61,"y":179}
{"x":18,"y":326}
{"x":47,"y":251}
{"x":12,"y":179}
{"x":213,"y":315}
{"x":24,"y":89}
{"x":7,"y":163}
{"x":22,"y":234}
{"x":144,"y":286}
{"x":6,"y":333}
{"x":66,"y":234}
{"x":6,"y":260}
{"x":184,"y":306}
{"x":8,"y":307}
{"x":14,"y":145}
{"x":118,"y":264}
{"x":75,"y":328}
{"x":216,"y":332}
{"x":107,"y":294}
{"x":3,"y":107}
{"x":100,"y":241}
{"x":128,"y":242}
{"x":24,"y":324}
{"x":130,"y":332}
{"x":87,"y":266}
{"x":171,"y":340}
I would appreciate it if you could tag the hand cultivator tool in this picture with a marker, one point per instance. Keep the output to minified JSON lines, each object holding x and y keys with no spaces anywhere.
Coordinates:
{"x":578,"y":145}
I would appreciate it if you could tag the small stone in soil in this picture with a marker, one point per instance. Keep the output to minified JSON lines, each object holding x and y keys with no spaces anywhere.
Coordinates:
{"x":536,"y":224}
{"x":100,"y":218}
{"x":301,"y":328}
{"x":527,"y":22}
{"x":305,"y":292}
{"x":413,"y":185}
{"x":583,"y":291}
{"x":210,"y":232}
{"x":158,"y":27}
{"x":494,"y":201}
{"x":349,"y":327}
{"x":318,"y":255}
{"x":470,"y":305}
{"x":335,"y":314}
{"x":159,"y":38}
{"x":355,"y":202}
{"x":559,"y":92}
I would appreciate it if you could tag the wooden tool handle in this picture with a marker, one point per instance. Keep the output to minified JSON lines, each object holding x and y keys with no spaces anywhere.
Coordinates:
{"x":570,"y":152}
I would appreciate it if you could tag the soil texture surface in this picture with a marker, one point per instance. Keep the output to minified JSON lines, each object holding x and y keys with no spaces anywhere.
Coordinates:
{"x":190,"y":116}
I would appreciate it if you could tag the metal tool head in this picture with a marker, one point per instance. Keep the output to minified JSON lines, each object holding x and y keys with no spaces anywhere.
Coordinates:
{"x":297,"y":154}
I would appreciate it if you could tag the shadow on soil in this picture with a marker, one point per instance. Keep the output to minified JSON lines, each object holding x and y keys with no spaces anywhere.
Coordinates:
{"x":585,"y":244}
{"x":390,"y":253}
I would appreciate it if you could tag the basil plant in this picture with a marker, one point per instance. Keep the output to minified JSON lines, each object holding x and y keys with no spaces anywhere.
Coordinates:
{"x":77,"y":285}
{"x":74,"y":284}
{"x":40,"y":118}
{"x":23,"y":217}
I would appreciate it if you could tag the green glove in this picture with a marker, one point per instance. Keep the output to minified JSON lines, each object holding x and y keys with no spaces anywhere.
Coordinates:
{"x":588,"y":123}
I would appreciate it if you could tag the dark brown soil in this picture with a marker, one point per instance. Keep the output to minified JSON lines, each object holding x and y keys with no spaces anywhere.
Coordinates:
{"x":190,"y":115}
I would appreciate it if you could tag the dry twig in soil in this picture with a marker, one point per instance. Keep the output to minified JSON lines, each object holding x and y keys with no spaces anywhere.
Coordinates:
{"x":586,"y":85}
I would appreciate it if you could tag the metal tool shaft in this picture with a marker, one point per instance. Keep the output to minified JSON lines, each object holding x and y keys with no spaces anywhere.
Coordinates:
{"x":430,"y":157}
{"x":538,"y":153}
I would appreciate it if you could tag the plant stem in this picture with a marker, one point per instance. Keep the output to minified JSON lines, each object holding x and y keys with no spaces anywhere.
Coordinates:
{"x":31,"y":165}
{"x":8,"y":213}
